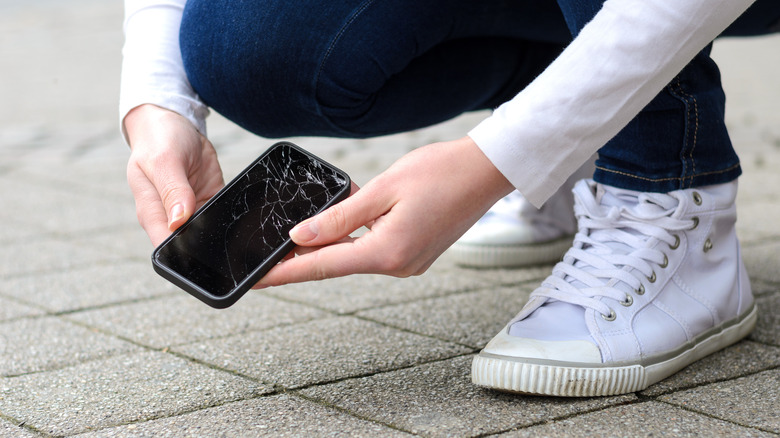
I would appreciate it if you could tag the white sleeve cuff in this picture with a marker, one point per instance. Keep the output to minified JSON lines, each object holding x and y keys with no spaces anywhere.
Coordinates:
{"x":152,"y":67}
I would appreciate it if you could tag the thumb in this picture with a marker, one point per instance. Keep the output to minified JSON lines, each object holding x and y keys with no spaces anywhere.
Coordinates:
{"x":339,"y":220}
{"x":177,"y":195}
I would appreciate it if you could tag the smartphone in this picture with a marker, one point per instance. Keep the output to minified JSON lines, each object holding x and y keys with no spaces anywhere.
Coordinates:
{"x":234,"y":239}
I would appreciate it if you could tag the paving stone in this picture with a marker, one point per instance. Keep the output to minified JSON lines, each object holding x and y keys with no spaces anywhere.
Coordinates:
{"x":15,"y":230}
{"x":438,"y":399}
{"x":12,"y":310}
{"x":757,"y":230}
{"x":762,"y":260}
{"x":182,"y":319}
{"x":358,"y":292}
{"x":762,"y":288}
{"x":471,"y":318}
{"x":750,"y":401}
{"x":759,"y":161}
{"x":97,"y":167}
{"x":532,"y":275}
{"x":319,"y":351}
{"x":59,"y":210}
{"x":131,"y":241}
{"x":88,"y":286}
{"x":12,"y":430}
{"x":61,"y":62}
{"x":350,"y":294}
{"x":768,"y":327}
{"x":649,"y":419}
{"x":39,"y":344}
{"x":741,"y":358}
{"x":49,"y":255}
{"x":35,"y":160}
{"x":277,"y":416}
{"x":119,"y":390}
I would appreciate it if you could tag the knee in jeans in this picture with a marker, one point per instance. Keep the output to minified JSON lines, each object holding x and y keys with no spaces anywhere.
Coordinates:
{"x":258,"y":80}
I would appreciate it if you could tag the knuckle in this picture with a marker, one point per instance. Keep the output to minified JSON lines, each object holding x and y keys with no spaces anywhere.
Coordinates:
{"x":319,"y":270}
{"x":336,"y":219}
{"x":169,"y":192}
{"x":398,"y":263}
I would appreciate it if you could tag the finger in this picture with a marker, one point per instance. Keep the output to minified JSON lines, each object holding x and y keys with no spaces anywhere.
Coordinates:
{"x":341,"y":219}
{"x":303,"y":250}
{"x":149,"y":208}
{"x":169,"y":177}
{"x":336,"y":260}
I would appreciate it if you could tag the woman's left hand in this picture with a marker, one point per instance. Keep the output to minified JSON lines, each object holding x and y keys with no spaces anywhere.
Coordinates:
{"x":414,"y":211}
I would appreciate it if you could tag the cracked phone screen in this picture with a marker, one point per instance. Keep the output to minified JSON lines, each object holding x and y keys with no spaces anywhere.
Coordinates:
{"x":244,"y":226}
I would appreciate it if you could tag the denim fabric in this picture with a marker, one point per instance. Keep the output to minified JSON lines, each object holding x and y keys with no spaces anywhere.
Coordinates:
{"x":678,"y":141}
{"x":362,"y":68}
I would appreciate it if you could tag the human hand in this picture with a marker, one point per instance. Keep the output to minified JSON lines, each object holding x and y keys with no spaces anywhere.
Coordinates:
{"x":414,"y":211}
{"x":172,"y":170}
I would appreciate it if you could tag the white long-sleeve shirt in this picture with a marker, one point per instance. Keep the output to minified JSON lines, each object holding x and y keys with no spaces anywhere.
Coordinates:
{"x":616,"y":65}
{"x":152,"y":68}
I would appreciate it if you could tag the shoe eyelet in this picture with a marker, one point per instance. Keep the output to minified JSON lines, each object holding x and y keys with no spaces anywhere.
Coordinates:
{"x":666,"y":261}
{"x":695,"y":223}
{"x":641,"y":290}
{"x":628,"y":301}
{"x":676,"y":242}
{"x":611,"y":317}
{"x":696,"y":198}
{"x":652,"y":278}
{"x":707,"y":245}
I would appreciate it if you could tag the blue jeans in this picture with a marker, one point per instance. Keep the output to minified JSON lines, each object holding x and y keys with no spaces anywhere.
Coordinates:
{"x":362,"y":68}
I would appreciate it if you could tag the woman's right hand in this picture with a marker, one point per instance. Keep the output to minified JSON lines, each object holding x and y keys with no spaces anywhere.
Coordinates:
{"x":172,"y":170}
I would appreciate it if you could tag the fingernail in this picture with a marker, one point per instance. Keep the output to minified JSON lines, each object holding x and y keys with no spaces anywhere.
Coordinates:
{"x":305,"y":231}
{"x":177,"y":212}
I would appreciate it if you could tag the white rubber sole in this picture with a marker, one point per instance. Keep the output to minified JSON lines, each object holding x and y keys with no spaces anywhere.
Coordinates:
{"x":567,"y":379}
{"x":509,"y":256}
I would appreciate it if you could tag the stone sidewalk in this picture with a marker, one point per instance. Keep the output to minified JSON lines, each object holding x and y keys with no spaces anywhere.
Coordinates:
{"x":93,"y":343}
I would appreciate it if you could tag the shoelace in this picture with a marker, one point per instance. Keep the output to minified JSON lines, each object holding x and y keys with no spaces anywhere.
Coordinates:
{"x":614,"y":245}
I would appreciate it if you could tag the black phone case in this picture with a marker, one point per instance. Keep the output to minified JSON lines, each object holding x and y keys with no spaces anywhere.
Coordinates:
{"x":221,"y":302}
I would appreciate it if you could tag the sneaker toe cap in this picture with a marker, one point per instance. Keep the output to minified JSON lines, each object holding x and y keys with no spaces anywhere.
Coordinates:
{"x":575,"y":351}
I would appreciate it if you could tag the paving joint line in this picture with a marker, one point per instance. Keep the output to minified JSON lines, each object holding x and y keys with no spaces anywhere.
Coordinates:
{"x":565,"y":416}
{"x":715,"y":417}
{"x":297,"y":393}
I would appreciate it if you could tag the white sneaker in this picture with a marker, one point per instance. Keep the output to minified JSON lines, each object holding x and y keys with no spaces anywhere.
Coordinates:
{"x":514,"y":233}
{"x":652,"y":283}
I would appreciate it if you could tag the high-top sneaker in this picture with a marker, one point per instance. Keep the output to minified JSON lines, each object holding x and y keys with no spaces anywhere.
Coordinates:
{"x":652,"y":283}
{"x":514,"y":233}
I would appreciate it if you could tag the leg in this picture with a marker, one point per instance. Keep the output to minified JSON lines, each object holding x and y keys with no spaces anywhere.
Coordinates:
{"x":678,"y":141}
{"x":654,"y":280}
{"x":363,"y":67}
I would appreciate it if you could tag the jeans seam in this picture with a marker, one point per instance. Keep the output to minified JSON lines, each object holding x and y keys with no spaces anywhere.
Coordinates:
{"x":330,"y":49}
{"x":644,"y":178}
{"x":686,"y":179}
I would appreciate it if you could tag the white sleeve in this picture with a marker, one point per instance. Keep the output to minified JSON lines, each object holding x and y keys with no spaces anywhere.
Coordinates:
{"x":152,"y":68}
{"x":616,"y":65}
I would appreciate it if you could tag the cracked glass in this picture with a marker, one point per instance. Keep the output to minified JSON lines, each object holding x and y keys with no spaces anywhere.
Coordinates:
{"x":244,"y":230}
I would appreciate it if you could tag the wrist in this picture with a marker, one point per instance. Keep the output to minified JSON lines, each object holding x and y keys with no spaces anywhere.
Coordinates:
{"x":149,"y":121}
{"x":493,"y":184}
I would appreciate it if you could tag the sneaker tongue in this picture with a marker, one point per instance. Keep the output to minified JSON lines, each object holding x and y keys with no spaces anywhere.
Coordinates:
{"x":609,"y":197}
{"x":614,"y":197}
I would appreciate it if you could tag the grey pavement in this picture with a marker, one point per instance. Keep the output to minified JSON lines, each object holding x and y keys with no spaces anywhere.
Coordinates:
{"x":93,"y":343}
